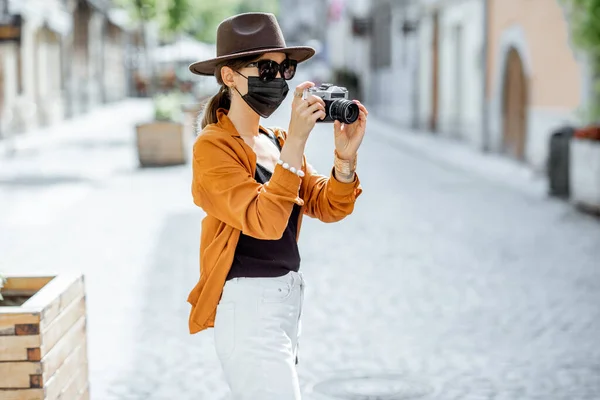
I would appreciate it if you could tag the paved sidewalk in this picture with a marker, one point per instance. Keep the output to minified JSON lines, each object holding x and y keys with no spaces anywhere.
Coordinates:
{"x":54,"y":168}
{"x":459,"y":154}
{"x":102,"y":121}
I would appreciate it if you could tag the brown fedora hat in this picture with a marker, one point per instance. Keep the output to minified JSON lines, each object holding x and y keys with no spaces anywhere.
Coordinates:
{"x":246,"y":35}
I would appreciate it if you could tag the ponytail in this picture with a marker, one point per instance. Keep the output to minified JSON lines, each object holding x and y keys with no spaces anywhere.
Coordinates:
{"x":219,"y":100}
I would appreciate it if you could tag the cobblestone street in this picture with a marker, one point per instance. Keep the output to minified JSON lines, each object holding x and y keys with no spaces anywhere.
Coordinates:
{"x":454,"y":279}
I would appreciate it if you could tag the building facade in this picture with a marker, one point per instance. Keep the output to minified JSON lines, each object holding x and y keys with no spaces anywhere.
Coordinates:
{"x":452,"y":73}
{"x":500,"y":74}
{"x":67,"y":58}
{"x":536,"y":83}
{"x":394,"y":60}
{"x":355,"y":39}
{"x":302,"y":21}
{"x":32,"y":80}
{"x":96,"y":48}
{"x":347,"y":46}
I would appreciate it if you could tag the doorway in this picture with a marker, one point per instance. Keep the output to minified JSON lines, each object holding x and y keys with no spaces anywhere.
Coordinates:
{"x":514,"y":110}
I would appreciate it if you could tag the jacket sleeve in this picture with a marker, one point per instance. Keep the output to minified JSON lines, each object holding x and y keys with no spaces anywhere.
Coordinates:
{"x":326,"y":198}
{"x":224,"y":189}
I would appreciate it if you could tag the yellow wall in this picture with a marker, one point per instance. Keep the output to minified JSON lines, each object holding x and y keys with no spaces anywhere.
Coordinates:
{"x":556,"y":77}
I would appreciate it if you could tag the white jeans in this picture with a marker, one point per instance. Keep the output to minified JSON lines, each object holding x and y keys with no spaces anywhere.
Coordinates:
{"x":257,"y":327}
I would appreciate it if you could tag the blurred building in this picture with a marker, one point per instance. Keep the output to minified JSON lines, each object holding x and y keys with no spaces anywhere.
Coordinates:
{"x":501,"y":75}
{"x":372,"y":48}
{"x":302,"y":21}
{"x":452,"y":73}
{"x":347,"y":45}
{"x":394,"y":60}
{"x":306,"y":23}
{"x":32,"y":82}
{"x":536,"y":78}
{"x":58,"y":58}
{"x":517,"y":56}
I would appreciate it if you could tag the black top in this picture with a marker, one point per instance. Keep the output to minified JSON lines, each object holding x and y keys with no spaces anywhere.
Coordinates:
{"x":259,"y":258}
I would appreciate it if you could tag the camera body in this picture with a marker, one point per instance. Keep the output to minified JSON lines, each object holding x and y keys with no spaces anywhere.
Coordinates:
{"x":337,"y":105}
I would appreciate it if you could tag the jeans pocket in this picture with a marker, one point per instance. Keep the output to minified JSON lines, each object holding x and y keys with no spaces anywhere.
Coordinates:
{"x":225,"y":330}
{"x":276,"y":291}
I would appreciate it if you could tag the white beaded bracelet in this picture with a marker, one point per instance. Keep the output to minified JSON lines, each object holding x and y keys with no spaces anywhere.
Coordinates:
{"x":293,"y":170}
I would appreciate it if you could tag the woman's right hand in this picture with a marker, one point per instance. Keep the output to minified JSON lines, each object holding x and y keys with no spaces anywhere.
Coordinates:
{"x":305,"y":113}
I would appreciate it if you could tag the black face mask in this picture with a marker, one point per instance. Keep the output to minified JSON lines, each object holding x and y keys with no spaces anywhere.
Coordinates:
{"x":265,"y":97}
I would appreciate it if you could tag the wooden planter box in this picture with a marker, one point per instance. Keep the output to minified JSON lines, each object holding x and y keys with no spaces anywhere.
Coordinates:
{"x":584,"y":174}
{"x":161,"y":143}
{"x":43,"y":343}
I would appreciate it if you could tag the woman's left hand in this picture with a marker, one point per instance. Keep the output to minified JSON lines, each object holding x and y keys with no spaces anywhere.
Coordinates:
{"x":349,"y":137}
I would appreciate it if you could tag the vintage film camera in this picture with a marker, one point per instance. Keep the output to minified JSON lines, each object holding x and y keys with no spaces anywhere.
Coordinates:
{"x":337,"y":105}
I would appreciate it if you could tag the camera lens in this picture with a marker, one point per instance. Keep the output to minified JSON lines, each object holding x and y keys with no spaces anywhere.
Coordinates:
{"x":343,"y":110}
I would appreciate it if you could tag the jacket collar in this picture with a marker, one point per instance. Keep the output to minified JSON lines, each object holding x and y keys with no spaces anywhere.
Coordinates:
{"x":225,"y":123}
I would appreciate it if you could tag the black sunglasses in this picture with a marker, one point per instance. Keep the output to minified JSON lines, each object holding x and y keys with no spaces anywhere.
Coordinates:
{"x":268,"y":69}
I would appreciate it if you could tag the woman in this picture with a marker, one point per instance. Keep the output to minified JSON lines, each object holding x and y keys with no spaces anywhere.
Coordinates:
{"x":255,"y":185}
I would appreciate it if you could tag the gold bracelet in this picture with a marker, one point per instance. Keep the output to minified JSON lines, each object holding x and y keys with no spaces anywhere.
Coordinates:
{"x":344,"y":167}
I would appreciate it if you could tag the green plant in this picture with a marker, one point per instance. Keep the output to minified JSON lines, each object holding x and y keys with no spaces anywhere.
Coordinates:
{"x":170,"y":15}
{"x":205,"y":16}
{"x":2,"y":282}
{"x":167,"y":107}
{"x":198,"y":18}
{"x":584,"y":21}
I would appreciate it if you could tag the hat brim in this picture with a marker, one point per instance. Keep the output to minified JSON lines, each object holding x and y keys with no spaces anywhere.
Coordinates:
{"x":207,"y":67}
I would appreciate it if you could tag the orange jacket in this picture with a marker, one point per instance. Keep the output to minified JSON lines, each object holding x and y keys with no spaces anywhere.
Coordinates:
{"x":223,"y":186}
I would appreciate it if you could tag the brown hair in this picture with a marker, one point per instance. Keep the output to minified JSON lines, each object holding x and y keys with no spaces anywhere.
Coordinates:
{"x":223,"y":97}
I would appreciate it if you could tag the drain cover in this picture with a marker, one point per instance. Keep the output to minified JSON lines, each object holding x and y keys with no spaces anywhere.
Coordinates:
{"x":373,"y":387}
